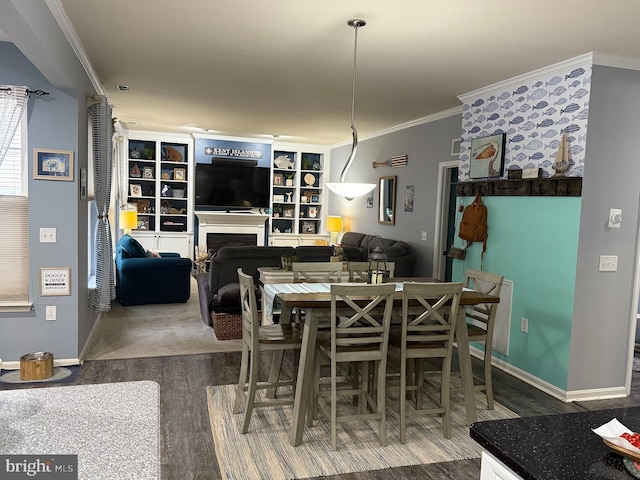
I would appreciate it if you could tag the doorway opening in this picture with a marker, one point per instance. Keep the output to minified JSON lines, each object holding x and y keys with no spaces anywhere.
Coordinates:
{"x":445,"y":219}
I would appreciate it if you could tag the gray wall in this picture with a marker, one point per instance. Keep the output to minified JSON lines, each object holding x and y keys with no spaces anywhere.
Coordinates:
{"x":40,"y":58}
{"x":426,"y":145}
{"x":604,"y":300}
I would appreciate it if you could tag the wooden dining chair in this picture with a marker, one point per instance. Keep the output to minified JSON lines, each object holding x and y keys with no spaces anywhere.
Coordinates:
{"x":317,"y":272}
{"x":360,"y":321}
{"x":359,"y":271}
{"x":257,"y":339}
{"x":482,"y":321}
{"x":429,"y":312}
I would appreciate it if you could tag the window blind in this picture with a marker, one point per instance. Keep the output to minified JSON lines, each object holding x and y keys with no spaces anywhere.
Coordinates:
{"x":14,"y":233}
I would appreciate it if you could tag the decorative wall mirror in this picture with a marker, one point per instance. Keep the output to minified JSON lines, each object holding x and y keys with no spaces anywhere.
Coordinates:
{"x":387,"y":200}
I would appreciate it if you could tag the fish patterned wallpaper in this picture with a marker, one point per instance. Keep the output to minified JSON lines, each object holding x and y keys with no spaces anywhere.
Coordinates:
{"x":533,"y":110}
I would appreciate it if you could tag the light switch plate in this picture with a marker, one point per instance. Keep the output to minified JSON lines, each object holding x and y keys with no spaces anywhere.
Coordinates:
{"x":608,"y":263}
{"x":47,"y":235}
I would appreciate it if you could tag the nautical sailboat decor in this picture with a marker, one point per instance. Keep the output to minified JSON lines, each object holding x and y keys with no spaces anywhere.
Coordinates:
{"x":562,"y":164}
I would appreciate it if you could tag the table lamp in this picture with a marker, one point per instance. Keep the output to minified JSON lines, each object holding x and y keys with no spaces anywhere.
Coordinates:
{"x":334,"y":225}
{"x":128,"y":219}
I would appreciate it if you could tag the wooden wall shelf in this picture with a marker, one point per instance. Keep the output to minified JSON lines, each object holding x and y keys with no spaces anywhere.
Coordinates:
{"x":537,"y":187}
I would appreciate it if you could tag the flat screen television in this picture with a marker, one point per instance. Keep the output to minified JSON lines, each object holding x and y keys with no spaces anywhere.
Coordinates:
{"x":231,"y":186}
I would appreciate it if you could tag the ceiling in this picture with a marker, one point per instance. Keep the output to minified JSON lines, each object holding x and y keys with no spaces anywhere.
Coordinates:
{"x":256,"y":69}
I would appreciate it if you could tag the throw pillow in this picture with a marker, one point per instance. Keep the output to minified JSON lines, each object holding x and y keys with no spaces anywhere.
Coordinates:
{"x":228,"y":298}
{"x":132,"y":246}
{"x":153,"y":254}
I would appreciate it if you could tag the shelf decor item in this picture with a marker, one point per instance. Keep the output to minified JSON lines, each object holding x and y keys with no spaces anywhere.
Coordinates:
{"x":53,"y":164}
{"x":136,"y":190}
{"x":148,"y":172}
{"x":179,"y":174}
{"x":308,"y":227}
{"x":277,"y":179}
{"x":313,"y":212}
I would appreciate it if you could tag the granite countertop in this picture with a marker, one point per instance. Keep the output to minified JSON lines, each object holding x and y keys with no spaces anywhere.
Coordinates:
{"x":561,"y":446}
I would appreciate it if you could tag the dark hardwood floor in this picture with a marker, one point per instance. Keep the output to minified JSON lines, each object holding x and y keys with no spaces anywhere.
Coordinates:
{"x":186,"y":442}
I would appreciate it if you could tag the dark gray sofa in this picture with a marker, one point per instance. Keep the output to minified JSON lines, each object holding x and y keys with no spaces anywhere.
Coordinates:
{"x":219,"y":287}
{"x":356,"y":247}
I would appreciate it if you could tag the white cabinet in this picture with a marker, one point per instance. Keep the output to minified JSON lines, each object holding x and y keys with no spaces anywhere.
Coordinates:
{"x":494,"y":469}
{"x":298,"y":197}
{"x":295,"y":240}
{"x":181,"y":243}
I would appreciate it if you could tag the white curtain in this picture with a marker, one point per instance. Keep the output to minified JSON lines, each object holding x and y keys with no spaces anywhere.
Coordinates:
{"x":13,"y":101}
{"x":103,"y":161}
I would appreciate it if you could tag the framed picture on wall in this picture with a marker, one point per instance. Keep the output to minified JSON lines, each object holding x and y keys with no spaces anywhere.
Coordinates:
{"x":51,"y":164}
{"x":487,"y":156}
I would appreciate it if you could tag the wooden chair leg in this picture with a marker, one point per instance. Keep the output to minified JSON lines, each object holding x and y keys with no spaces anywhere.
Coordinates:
{"x":381,"y":403}
{"x":334,"y":406}
{"x":403,"y":399}
{"x":445,"y":397}
{"x":251,"y":391}
{"x":488,"y":383}
{"x":242,"y":380}
{"x":274,"y":373}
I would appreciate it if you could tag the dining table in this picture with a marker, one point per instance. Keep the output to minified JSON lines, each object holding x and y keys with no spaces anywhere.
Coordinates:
{"x":315,"y":300}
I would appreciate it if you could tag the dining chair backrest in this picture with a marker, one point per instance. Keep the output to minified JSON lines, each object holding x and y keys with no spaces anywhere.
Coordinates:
{"x":359,"y":271}
{"x":485,"y":282}
{"x":317,"y":272}
{"x":357,"y":322}
{"x":429,"y":312}
{"x":249,"y":306}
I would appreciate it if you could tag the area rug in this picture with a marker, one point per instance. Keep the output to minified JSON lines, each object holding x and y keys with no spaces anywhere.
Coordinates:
{"x":113,"y":428}
{"x":265,"y":451}
{"x":159,"y":330}
{"x":11,"y":378}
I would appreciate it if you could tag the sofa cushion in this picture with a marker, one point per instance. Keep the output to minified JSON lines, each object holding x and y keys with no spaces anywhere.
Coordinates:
{"x":132,"y":247}
{"x":352,"y":239}
{"x":227,"y":299}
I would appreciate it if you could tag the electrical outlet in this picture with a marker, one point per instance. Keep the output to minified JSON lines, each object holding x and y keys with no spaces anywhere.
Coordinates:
{"x":424,"y":236}
{"x":50,"y":312}
{"x":47,"y":235}
{"x":524,"y":325}
{"x":608,"y":263}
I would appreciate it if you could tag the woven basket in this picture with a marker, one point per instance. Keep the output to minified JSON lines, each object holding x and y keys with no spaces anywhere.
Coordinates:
{"x":227,"y":326}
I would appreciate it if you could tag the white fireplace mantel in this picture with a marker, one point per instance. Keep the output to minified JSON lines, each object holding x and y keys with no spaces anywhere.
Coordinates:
{"x":224,"y":222}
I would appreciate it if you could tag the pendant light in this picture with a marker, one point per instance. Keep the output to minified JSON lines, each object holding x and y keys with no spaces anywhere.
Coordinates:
{"x":342,"y":188}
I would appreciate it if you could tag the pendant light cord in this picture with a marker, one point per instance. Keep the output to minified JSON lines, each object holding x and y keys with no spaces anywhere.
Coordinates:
{"x":354,"y":147}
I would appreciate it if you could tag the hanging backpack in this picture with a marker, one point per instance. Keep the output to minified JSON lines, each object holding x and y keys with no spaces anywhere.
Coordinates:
{"x":473,"y":227}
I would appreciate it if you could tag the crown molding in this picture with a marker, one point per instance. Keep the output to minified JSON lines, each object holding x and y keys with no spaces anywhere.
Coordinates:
{"x":608,"y":60}
{"x":72,"y":37}
{"x":413,"y":123}
{"x":582,"y":60}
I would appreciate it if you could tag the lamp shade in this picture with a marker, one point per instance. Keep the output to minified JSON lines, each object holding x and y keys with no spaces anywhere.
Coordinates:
{"x":350,"y":190}
{"x":334,"y":223}
{"x":128,"y":219}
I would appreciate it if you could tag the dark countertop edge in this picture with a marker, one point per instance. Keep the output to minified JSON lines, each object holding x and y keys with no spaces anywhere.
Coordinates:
{"x":501,"y":455}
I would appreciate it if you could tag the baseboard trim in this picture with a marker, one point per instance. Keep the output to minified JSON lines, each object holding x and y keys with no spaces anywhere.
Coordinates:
{"x":57,"y":362}
{"x":558,"y":393}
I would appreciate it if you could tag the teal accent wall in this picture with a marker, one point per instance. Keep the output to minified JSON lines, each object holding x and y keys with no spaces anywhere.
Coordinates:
{"x":533,"y":241}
